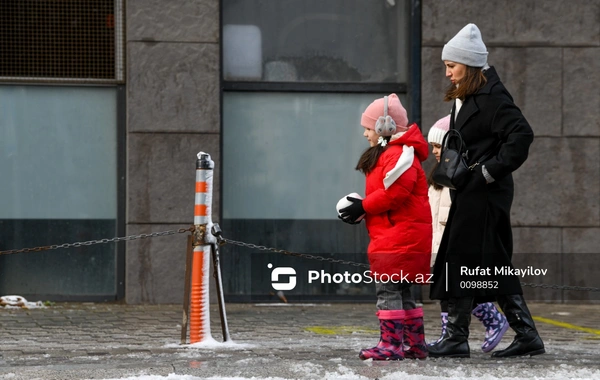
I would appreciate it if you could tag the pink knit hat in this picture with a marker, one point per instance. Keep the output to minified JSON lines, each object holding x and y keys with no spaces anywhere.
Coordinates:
{"x":438,"y":131}
{"x":375,"y":110}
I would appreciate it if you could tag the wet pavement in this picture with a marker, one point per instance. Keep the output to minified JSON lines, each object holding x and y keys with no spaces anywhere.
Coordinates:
{"x":290,"y":341}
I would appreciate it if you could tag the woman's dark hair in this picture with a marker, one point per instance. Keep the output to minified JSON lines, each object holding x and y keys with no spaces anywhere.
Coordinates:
{"x":430,"y":180}
{"x":368,"y":160}
{"x":473,"y":81}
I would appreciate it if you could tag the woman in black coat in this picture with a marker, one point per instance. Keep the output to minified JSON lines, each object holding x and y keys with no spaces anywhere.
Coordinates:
{"x":476,"y":249}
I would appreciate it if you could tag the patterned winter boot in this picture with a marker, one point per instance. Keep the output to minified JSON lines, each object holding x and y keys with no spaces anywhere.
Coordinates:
{"x":414,"y":335}
{"x":391,"y":324}
{"x":494,"y":322}
{"x":444,"y":324}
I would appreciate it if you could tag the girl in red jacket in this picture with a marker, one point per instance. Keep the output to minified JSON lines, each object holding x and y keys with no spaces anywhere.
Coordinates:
{"x":398,"y":219}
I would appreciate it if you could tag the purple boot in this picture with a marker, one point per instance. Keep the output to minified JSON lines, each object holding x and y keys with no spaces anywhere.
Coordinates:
{"x":391,"y":323}
{"x":494,"y":322}
{"x":444,"y":324}
{"x":414,"y":335}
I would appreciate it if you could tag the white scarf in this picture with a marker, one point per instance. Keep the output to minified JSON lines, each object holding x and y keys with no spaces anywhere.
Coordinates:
{"x":404,"y":163}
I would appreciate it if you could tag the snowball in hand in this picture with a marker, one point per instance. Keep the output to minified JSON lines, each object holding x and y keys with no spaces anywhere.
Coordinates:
{"x":343,"y":203}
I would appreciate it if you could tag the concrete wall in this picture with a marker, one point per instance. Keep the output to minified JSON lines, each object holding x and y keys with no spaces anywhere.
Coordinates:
{"x":547,"y":54}
{"x":172,"y":114}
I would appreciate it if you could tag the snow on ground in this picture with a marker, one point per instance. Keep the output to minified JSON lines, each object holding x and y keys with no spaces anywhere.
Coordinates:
{"x":210,"y":343}
{"x":314,"y":371}
{"x":18,"y":302}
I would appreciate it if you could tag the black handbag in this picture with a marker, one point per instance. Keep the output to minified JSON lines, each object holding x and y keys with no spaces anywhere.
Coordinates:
{"x":452,"y":171}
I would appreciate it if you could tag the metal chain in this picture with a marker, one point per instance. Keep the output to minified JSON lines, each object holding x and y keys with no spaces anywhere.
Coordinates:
{"x":304,"y":255}
{"x":101,"y":241}
{"x":223,"y":240}
{"x":560,"y":287}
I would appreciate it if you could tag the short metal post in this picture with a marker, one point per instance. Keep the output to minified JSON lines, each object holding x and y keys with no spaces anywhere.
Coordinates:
{"x":200,"y":302}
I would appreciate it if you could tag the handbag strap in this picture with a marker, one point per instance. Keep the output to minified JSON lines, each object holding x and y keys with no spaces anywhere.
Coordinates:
{"x":457,"y":135}
{"x":486,"y":156}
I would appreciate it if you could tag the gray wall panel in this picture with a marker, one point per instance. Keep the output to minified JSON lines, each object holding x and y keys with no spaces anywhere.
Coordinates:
{"x":541,"y":249}
{"x":162,"y":173}
{"x":536,"y":240}
{"x":533,"y":76}
{"x":581,"y":269}
{"x":175,"y":20}
{"x":581,"y":240}
{"x":549,"y":187}
{"x":581,"y":92}
{"x":433,"y":86}
{"x":515,"y":22}
{"x":173,"y":87}
{"x":155,"y":266}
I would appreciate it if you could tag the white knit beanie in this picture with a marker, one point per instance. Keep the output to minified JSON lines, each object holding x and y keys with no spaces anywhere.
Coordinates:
{"x":466,"y":47}
{"x":438,"y":131}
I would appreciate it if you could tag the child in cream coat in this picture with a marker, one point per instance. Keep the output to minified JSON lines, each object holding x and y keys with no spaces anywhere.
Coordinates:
{"x":439,"y":199}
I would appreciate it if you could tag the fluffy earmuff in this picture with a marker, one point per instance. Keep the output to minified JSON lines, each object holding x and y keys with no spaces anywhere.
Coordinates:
{"x":385,"y":125}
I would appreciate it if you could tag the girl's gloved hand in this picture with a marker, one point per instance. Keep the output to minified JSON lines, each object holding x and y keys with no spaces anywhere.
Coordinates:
{"x":351,"y":213}
{"x":347,"y":220}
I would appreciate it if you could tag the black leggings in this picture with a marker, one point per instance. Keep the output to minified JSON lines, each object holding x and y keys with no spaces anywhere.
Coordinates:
{"x":444,"y":306}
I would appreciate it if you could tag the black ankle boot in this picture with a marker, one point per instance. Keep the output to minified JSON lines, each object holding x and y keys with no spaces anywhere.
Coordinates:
{"x":527,"y":341}
{"x":454,"y":343}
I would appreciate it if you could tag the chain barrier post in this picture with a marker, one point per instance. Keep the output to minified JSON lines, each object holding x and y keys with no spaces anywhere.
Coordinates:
{"x":189,"y":252}
{"x":217,"y":233}
{"x":202,"y":241}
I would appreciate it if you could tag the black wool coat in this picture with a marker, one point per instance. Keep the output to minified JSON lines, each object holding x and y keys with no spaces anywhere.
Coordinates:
{"x":478,"y":233}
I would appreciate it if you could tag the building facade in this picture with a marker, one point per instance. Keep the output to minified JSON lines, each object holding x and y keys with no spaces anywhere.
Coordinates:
{"x":274,"y":91}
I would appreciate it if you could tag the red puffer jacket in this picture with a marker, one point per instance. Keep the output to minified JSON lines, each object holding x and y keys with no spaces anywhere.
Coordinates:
{"x":399,"y":218}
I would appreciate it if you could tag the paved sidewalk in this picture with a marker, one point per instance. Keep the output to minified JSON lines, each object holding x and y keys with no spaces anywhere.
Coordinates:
{"x":311,"y":341}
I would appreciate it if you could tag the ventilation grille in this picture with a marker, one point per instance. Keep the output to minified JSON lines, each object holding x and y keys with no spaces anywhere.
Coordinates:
{"x":61,"y":40}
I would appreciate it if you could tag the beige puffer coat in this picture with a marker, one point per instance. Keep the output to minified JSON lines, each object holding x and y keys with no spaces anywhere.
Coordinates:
{"x":440,"y":203}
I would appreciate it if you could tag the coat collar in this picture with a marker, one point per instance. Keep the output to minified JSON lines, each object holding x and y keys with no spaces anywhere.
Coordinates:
{"x":492,"y":79}
{"x":469,"y":106}
{"x":467,"y":110}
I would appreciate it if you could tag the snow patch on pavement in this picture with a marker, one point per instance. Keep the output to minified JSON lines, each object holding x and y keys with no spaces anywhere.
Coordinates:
{"x":505,"y":371}
{"x":210,"y":343}
{"x":18,"y":302}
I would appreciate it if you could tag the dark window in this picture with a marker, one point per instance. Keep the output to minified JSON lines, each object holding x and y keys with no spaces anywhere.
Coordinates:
{"x":60,"y":39}
{"x":360,"y":41}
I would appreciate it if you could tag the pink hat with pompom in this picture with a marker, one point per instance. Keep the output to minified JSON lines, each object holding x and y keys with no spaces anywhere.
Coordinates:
{"x":395,"y":110}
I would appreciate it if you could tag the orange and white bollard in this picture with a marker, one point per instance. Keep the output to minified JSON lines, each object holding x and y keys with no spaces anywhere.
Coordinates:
{"x":200,"y":271}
